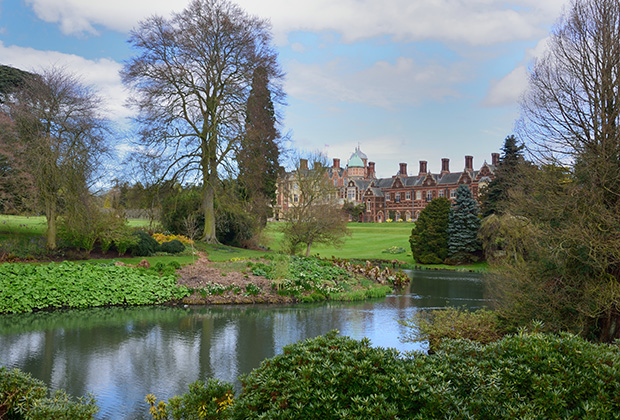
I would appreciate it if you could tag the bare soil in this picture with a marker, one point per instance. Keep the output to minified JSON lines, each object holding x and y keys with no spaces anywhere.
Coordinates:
{"x":204,"y":272}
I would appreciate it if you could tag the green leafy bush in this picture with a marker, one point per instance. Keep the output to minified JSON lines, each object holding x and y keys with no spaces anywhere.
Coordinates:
{"x":525,"y":376}
{"x":172,"y":247}
{"x":252,"y":289}
{"x":23,"y":397}
{"x":327,"y":377}
{"x":209,"y":400}
{"x":482,"y":326}
{"x":146,"y":245}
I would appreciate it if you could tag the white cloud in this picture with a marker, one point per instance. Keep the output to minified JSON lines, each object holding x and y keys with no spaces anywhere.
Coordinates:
{"x":509,"y":89}
{"x":102,"y":74}
{"x":475,"y":22}
{"x":384,"y":84}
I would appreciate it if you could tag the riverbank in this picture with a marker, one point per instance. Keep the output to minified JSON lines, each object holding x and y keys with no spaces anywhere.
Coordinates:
{"x":272,"y":279}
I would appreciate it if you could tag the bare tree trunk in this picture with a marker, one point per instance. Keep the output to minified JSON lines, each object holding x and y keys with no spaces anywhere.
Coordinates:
{"x":51,"y":215}
{"x":308,"y":249}
{"x":208,"y":208}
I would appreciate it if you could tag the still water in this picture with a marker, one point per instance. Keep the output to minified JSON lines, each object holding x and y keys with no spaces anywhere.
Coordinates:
{"x":122,"y":354}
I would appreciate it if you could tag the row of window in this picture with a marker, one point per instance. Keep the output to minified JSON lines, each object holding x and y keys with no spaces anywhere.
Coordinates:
{"x":419,"y":195}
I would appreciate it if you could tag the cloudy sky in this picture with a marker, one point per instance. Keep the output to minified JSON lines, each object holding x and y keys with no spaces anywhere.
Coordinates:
{"x":407,"y":80}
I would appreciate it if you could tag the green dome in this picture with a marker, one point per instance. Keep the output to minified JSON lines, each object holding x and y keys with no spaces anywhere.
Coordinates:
{"x":356,"y":161}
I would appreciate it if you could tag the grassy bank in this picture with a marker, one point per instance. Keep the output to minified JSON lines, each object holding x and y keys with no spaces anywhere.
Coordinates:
{"x":367,"y":241}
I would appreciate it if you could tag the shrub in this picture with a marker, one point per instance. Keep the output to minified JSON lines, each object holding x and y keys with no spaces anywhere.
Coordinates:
{"x":172,"y":247}
{"x":23,"y":397}
{"x":522,"y":376}
{"x":146,"y":245}
{"x":209,"y":400}
{"x":326,"y":377}
{"x":481,"y":326}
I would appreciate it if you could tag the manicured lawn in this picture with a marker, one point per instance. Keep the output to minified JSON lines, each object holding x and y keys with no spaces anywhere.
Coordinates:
{"x":23,"y":225}
{"x":367,"y":241}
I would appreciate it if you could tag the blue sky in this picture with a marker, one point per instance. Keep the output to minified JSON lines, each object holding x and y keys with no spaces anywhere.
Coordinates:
{"x":407,"y":80}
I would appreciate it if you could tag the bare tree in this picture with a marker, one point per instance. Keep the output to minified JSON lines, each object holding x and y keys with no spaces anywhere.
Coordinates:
{"x":191,"y":81}
{"x":571,"y":112}
{"x":60,"y":124}
{"x":313,"y":215}
{"x":569,"y":275}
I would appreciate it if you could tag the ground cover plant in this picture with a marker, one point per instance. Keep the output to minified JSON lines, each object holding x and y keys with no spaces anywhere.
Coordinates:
{"x":523,"y":376}
{"x":275,"y":278}
{"x":28,"y":287}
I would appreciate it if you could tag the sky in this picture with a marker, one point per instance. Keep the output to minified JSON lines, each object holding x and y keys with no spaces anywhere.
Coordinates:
{"x":405,"y":80}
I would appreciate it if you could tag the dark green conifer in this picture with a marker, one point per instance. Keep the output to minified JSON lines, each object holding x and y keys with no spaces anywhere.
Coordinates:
{"x":495,"y":196}
{"x":429,"y":237}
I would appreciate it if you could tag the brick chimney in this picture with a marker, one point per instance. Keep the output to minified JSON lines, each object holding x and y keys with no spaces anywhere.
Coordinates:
{"x":422,"y":167}
{"x":495,"y":159}
{"x":336,"y":163}
{"x":445,"y":166}
{"x":371,"y":170}
{"x":303,"y":164}
{"x":403,"y":169}
{"x":469,"y":163}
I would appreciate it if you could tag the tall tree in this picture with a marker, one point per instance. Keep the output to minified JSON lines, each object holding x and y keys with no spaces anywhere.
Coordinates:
{"x":571,"y":121}
{"x":494,"y":198}
{"x":429,"y":237}
{"x":463,"y":226}
{"x":191,"y":81}
{"x":313,"y":215}
{"x":258,"y":158}
{"x":58,"y":120}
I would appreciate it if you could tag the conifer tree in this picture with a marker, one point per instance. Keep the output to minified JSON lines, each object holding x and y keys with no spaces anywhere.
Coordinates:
{"x":258,"y":157}
{"x":429,"y":237}
{"x":463,"y":226}
{"x":495,"y":196}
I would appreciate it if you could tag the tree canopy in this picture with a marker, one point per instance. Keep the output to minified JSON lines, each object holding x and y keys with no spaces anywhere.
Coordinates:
{"x":58,"y":120}
{"x":463,"y":226}
{"x":495,"y":195}
{"x":570,"y":277}
{"x":314,"y":216}
{"x":191,"y":80}
{"x":429,"y":237}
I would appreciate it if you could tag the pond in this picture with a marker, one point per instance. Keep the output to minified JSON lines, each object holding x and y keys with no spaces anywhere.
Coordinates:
{"x":122,"y":354}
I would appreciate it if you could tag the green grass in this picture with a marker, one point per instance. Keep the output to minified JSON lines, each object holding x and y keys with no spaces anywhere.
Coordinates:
{"x":367,"y":241}
{"x":22,"y":225}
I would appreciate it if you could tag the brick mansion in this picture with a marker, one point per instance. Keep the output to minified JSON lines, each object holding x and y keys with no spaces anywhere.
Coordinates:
{"x":400,"y":197}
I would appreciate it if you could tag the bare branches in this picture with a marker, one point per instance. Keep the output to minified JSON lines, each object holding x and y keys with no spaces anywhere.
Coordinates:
{"x":191,"y":80}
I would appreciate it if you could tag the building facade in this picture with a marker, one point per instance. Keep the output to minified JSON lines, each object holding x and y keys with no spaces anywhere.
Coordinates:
{"x":401,"y":197}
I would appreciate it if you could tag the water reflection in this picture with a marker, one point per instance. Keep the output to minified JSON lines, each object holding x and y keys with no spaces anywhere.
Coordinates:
{"x":121,"y":354}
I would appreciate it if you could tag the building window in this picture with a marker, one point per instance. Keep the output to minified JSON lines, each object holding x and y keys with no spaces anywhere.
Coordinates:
{"x":295,"y":198}
{"x":397,"y":197}
{"x":429,"y":195}
{"x":335,"y":182}
{"x":440,"y":193}
{"x":452,"y":193}
{"x":397,"y":216}
{"x":418,"y":195}
{"x":408,"y":195}
{"x":351,"y":194}
{"x":368,"y":206}
{"x":387,"y":196}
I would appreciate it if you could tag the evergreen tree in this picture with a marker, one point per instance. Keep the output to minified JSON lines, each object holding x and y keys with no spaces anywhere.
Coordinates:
{"x":463,"y":226}
{"x":258,"y":158}
{"x":429,"y":237}
{"x":495,"y":196}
